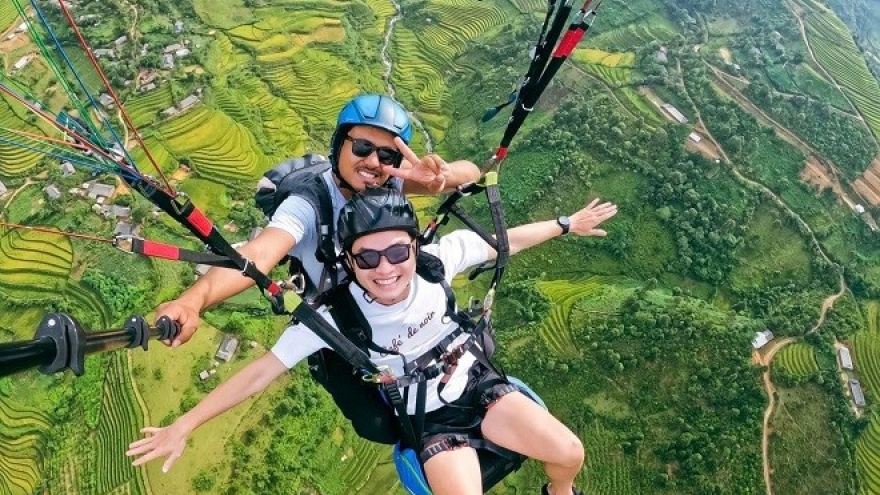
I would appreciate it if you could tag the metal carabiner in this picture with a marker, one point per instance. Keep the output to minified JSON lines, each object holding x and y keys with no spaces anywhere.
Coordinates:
{"x":296,"y":282}
{"x":124,"y":243}
{"x":383,"y":375}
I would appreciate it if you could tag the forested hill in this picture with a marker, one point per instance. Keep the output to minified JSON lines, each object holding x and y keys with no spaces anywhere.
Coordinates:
{"x":739,"y":139}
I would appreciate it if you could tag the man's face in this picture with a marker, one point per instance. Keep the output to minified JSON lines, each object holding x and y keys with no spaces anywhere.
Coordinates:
{"x":389,"y":280}
{"x":363,"y":172}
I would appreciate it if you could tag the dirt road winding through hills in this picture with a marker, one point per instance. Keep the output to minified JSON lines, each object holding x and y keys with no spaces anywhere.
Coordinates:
{"x":766,"y":358}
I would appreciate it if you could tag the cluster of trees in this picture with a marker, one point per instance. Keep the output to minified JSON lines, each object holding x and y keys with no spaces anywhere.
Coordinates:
{"x":122,"y":296}
{"x":786,"y":308}
{"x":678,"y":372}
{"x":838,"y":136}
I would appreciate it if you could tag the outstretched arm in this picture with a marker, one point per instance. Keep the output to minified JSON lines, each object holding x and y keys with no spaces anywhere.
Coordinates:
{"x":170,"y":441}
{"x":431,"y":174}
{"x":220,"y":284}
{"x":583,"y":223}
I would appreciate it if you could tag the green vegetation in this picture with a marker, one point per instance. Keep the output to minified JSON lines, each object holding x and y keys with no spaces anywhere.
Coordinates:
{"x":836,"y":51}
{"x":120,"y":421}
{"x":807,"y":415}
{"x":639,"y":341}
{"x":796,"y":361}
{"x":23,"y":443}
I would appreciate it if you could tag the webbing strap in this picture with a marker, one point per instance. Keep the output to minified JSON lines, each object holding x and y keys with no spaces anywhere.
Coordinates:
{"x":199,"y":225}
{"x":155,"y":249}
{"x":339,"y":343}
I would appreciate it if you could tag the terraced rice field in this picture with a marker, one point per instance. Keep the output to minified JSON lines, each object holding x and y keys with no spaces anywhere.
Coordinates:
{"x":615,"y":68}
{"x":837,"y":52}
{"x":33,"y":259}
{"x":866,"y":358}
{"x":654,"y":27}
{"x":872,"y":310}
{"x":223,"y":14}
{"x":23,"y":447}
{"x":563,"y":295}
{"x":424,"y":50}
{"x":218,"y":148}
{"x":144,"y":108}
{"x":359,"y":466}
{"x":14,"y":161}
{"x":798,"y":360}
{"x":118,"y":425}
{"x":868,"y":457}
{"x":641,"y":106}
{"x":8,"y":15}
{"x":315,"y":82}
{"x":611,"y":471}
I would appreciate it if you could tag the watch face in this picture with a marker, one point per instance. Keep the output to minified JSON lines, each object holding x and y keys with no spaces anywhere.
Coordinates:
{"x":565,"y":223}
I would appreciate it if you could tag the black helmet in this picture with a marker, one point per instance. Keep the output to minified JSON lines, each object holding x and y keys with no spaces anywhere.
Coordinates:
{"x":375,"y":210}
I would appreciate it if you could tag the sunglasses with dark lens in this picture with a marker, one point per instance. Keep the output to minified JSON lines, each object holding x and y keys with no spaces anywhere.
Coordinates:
{"x":370,"y":258}
{"x":363,"y":148}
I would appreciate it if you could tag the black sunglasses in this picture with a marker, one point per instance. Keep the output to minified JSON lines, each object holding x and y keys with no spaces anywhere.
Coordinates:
{"x":363,"y":148}
{"x":370,"y":258}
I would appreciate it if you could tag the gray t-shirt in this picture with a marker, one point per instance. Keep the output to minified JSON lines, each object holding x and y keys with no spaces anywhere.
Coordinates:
{"x":296,"y":216}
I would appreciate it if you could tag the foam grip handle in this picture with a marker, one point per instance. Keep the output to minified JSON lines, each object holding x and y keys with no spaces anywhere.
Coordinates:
{"x":168,"y":328}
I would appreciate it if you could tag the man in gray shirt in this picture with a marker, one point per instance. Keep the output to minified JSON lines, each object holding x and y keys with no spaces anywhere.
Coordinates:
{"x":368,"y":149}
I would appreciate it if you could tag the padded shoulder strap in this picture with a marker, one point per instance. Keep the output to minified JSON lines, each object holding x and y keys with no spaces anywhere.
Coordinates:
{"x":348,"y":316}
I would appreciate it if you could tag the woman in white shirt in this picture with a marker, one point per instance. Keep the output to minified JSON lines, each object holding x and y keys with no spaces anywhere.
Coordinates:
{"x":378,"y":231}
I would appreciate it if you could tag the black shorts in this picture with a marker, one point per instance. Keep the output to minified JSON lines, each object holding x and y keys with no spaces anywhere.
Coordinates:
{"x":454,"y":424}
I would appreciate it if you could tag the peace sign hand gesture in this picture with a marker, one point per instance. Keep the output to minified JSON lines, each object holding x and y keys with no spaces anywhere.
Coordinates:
{"x":431,"y":171}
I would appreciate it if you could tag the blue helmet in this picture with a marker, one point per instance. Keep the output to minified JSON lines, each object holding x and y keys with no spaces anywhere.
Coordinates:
{"x":372,"y":110}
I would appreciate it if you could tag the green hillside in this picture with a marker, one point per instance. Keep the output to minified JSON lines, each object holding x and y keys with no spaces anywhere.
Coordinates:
{"x":640,"y":341}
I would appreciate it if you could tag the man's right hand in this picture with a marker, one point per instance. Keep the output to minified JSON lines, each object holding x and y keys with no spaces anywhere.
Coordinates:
{"x":185,"y":315}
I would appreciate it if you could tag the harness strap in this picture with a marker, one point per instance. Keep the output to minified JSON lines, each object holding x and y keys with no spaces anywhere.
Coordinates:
{"x":454,"y":441}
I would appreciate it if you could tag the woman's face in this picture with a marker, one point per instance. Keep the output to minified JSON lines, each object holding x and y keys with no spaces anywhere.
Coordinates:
{"x":387,"y":282}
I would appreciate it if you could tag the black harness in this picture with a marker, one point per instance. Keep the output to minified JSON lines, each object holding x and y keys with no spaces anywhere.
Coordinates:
{"x":394,"y":391}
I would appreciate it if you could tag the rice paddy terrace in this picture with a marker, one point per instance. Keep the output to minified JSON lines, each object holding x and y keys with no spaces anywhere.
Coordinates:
{"x":834,"y":48}
{"x":866,"y":358}
{"x":277,"y":74}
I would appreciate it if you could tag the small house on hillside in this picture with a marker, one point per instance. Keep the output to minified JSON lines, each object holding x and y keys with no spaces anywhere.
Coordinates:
{"x":761,"y":339}
{"x":845,"y":358}
{"x":695,"y":137}
{"x":106,"y":100}
{"x":227,"y":348}
{"x":3,"y":189}
{"x":97,"y":190}
{"x":52,"y":192}
{"x":188,"y":102}
{"x":105,"y":52}
{"x":677,"y":115}
{"x":858,"y":395}
{"x":172,"y":48}
{"x":67,"y":168}
{"x":124,"y":228}
{"x":115,"y":211}
{"x":22,"y":63}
